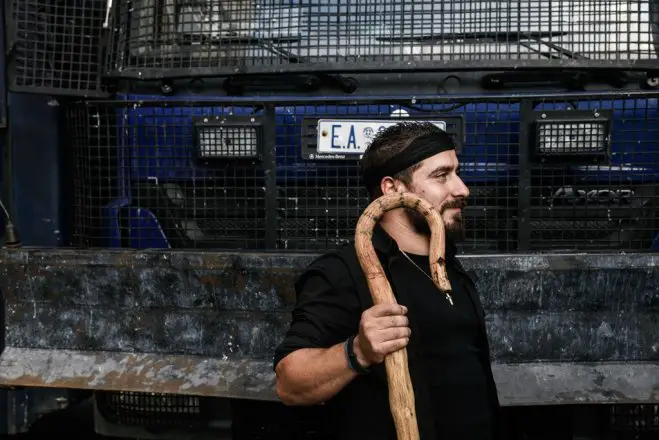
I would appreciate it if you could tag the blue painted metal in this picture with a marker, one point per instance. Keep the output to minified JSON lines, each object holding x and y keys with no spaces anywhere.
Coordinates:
{"x":32,"y":193}
{"x":170,"y":128}
{"x":495,"y":134}
{"x":34,"y":137}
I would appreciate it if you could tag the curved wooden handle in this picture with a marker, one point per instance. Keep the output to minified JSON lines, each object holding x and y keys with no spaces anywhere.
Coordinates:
{"x":401,"y":393}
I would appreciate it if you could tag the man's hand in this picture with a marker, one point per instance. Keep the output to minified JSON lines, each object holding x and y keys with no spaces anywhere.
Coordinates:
{"x":383,"y":329}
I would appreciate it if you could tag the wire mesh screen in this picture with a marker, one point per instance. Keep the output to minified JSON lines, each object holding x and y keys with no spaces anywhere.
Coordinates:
{"x":57,"y":46}
{"x":152,"y":410}
{"x":170,"y":37}
{"x":634,"y":422}
{"x":544,"y":173}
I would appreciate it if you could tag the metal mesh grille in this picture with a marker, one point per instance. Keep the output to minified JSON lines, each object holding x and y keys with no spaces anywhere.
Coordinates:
{"x":144,"y":178}
{"x":56,"y":46}
{"x":155,"y":38}
{"x":634,"y":422}
{"x":151,"y":409}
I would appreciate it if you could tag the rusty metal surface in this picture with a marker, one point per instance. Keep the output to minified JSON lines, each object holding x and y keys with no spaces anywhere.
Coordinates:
{"x":137,"y":372}
{"x":233,"y":309}
{"x":521,"y":384}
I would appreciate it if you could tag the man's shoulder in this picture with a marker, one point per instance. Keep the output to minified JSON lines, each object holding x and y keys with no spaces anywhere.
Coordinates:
{"x":341,"y":259}
{"x":337,"y":267}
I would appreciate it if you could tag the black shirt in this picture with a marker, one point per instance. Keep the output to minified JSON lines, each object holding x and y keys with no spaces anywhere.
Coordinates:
{"x":453,"y":370}
{"x":448,"y":352}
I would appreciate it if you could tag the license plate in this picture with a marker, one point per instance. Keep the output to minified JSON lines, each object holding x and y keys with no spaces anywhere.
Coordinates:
{"x":352,"y":137}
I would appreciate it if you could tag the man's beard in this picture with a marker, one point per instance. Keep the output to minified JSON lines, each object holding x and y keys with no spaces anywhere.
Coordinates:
{"x":454,"y":231}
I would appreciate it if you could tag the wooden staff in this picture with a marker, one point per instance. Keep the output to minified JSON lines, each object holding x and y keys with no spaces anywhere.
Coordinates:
{"x":401,"y":393}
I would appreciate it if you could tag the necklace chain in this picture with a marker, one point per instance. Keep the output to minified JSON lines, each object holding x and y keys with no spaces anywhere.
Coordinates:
{"x":448,"y":296}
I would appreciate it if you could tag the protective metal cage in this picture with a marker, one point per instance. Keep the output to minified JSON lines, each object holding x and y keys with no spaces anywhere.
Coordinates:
{"x":56,"y":46}
{"x":576,"y":172}
{"x":161,"y":38}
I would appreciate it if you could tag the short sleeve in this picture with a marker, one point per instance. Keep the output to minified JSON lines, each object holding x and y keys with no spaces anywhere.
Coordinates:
{"x":327,"y":310}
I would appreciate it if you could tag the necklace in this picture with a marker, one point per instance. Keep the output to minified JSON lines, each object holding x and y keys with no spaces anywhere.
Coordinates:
{"x":448,"y":296}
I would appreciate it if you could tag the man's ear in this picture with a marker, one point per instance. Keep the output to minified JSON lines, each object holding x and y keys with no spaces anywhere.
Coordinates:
{"x":390,"y":185}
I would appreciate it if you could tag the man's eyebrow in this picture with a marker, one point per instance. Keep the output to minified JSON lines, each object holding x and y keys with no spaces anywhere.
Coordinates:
{"x":441,"y":170}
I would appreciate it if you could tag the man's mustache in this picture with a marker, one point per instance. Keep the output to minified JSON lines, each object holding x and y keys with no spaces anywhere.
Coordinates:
{"x":452,"y":204}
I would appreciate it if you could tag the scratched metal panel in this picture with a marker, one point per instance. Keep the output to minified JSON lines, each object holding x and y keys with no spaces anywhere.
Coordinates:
{"x":234,"y":308}
{"x":518,"y":384}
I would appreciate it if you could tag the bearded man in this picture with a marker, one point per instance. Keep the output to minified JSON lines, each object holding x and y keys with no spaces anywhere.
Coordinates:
{"x":334,"y":350}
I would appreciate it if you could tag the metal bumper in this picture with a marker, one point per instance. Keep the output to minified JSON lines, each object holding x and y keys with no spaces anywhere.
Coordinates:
{"x":563,"y":328}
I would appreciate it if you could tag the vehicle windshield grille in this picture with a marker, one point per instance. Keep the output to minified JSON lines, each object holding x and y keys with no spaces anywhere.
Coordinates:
{"x":171,"y":37}
{"x":541,"y":178}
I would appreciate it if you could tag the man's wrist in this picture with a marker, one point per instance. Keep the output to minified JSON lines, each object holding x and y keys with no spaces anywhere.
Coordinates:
{"x":354,"y":356}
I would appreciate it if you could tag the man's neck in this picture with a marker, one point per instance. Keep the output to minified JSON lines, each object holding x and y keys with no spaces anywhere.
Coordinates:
{"x":403,"y":233}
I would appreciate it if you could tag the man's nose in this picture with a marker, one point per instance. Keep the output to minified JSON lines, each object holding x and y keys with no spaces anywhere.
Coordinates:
{"x":459,"y":189}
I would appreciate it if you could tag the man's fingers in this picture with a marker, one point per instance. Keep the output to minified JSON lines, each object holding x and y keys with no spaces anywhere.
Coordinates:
{"x":394,"y":333}
{"x":389,"y":347}
{"x":392,"y":321}
{"x":381,"y":310}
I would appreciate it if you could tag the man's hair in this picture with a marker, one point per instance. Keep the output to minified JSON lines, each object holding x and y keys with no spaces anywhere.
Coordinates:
{"x":391,"y":142}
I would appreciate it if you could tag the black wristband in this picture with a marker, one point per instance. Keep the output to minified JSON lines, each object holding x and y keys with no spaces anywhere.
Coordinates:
{"x":352,"y":358}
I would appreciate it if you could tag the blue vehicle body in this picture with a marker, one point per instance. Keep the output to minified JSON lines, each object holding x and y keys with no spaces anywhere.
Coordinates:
{"x":157,"y":145}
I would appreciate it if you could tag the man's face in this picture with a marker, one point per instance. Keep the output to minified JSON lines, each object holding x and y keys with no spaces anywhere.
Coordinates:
{"x":438,"y":182}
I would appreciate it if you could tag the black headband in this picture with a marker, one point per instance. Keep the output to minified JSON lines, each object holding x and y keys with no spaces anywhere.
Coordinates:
{"x":421,"y":148}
